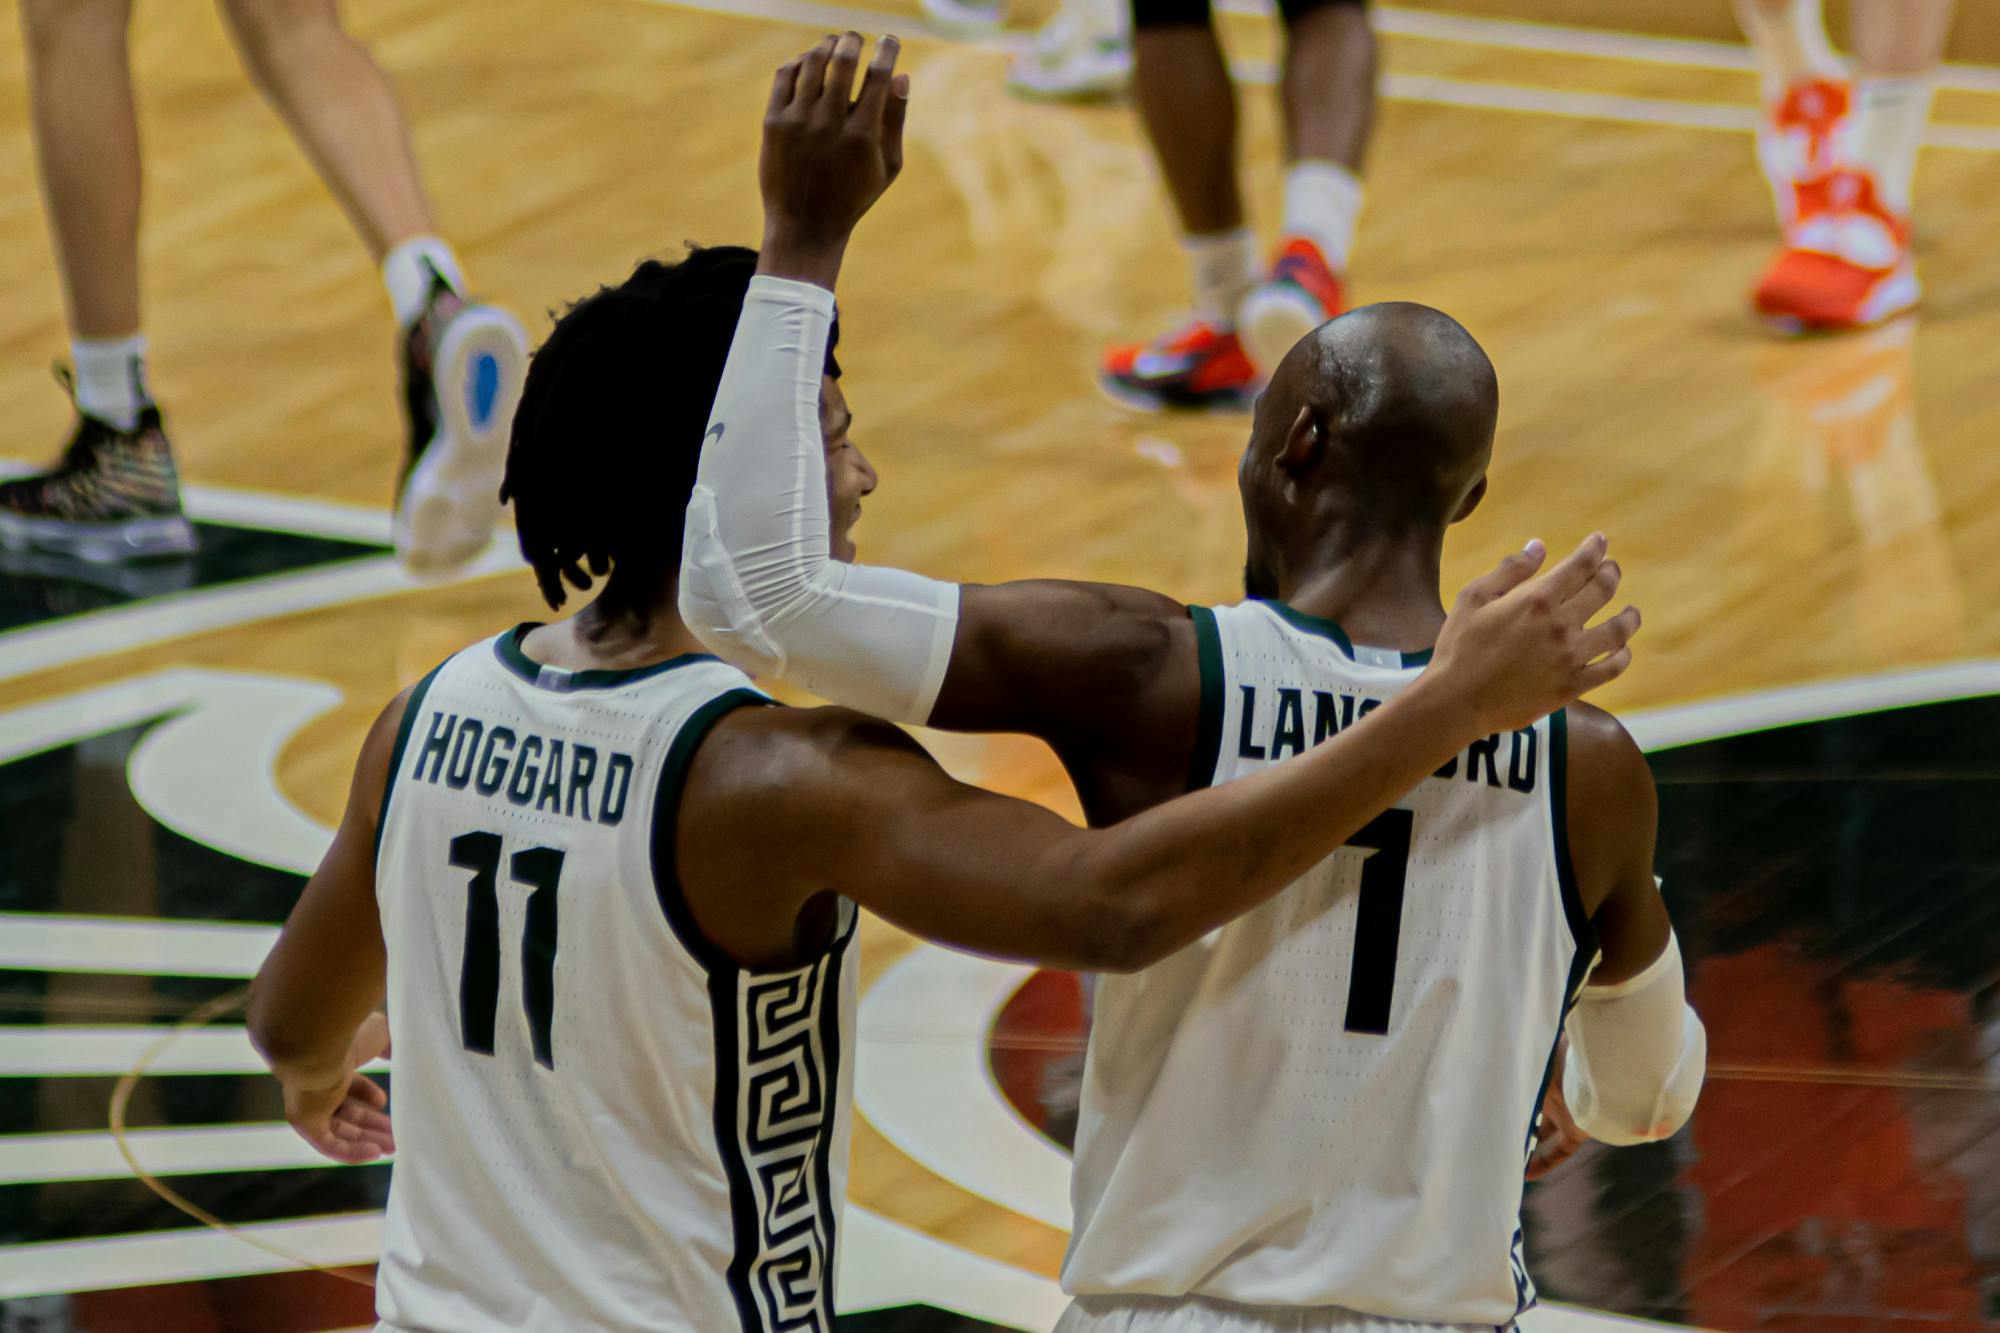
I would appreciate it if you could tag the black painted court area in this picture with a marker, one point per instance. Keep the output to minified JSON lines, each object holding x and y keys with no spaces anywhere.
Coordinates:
{"x":36,"y":588}
{"x":1837,"y":889}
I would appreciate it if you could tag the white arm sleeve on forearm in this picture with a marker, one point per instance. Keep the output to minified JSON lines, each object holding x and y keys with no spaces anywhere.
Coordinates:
{"x":1637,"y":1055}
{"x":758,"y":584}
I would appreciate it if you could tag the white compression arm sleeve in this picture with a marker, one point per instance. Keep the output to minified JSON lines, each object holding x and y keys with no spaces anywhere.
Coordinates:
{"x":1637,"y":1055}
{"x":758,"y":585}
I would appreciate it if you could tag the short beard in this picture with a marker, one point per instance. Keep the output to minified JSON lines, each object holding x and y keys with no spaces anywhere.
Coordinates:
{"x":1257,"y":583}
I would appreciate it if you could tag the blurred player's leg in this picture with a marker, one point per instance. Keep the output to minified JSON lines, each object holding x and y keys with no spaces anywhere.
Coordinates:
{"x":115,"y":494}
{"x":1328,"y":99}
{"x":1188,"y":104}
{"x":1083,"y":51}
{"x":1846,"y":260}
{"x":462,"y":362}
{"x":1806,"y":92}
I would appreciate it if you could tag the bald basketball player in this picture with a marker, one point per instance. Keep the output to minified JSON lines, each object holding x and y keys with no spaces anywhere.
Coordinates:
{"x":1316,"y":1117}
{"x":609,"y":891}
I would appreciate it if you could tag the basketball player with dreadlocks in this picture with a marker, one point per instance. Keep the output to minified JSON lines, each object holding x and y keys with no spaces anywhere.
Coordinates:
{"x":609,"y":890}
{"x":1388,"y":1023}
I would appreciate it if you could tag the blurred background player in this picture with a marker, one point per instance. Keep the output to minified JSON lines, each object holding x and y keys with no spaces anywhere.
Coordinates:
{"x":1840,"y":151}
{"x":1247,"y":318}
{"x":115,"y":494}
{"x":1083,"y":51}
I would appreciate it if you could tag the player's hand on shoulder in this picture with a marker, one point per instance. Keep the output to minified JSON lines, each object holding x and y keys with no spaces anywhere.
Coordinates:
{"x":1519,"y":647}
{"x":829,"y":153}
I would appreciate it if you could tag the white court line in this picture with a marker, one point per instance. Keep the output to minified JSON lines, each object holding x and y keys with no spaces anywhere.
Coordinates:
{"x":1421,"y":88}
{"x":184,"y":1255}
{"x":1599,"y":43}
{"x":928,"y":1088}
{"x":90,"y":1051}
{"x":203,"y":610}
{"x":1762,"y":710}
{"x":265,"y":509}
{"x":207,"y":770}
{"x":132,"y":946}
{"x":183,"y":615}
{"x":43,"y":1158}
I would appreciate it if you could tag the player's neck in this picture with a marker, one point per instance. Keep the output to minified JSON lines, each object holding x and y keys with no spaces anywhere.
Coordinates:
{"x":1382,"y":592}
{"x":614,"y":634}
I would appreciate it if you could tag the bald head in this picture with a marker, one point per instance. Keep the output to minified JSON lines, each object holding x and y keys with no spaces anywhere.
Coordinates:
{"x":1406,"y":401}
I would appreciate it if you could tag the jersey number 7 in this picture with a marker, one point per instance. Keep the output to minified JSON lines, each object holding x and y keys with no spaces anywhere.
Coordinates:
{"x":540,"y":869}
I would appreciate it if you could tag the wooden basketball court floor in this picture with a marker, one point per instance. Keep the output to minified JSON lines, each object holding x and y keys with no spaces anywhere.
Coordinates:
{"x":1809,"y":526}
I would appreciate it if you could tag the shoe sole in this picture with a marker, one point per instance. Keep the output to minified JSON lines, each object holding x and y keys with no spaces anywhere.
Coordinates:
{"x":117,"y":543}
{"x":957,"y":20}
{"x":1078,"y":81}
{"x":1898,"y":296}
{"x":1272,"y":319}
{"x":1154,"y":404}
{"x":451,"y":503}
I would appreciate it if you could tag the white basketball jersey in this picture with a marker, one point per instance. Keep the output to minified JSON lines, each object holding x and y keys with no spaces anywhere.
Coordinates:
{"x":1330,"y":1101}
{"x":601,"y":1122}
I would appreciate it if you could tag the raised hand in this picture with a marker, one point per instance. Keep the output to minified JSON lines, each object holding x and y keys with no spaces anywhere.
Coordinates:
{"x":1520,"y":649}
{"x":828,"y":153}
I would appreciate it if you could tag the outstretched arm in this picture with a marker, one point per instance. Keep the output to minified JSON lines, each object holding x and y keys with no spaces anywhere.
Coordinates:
{"x":784,"y":804}
{"x":759,"y":586}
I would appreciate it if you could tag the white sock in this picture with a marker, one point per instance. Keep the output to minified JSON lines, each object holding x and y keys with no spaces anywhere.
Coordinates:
{"x":406,"y":272}
{"x":1323,"y":204}
{"x":1225,"y":269}
{"x":1889,"y":129}
{"x":1790,"y":42}
{"x":111,"y":378}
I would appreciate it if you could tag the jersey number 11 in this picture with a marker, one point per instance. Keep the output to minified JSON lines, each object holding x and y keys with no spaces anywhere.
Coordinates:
{"x":540,"y":869}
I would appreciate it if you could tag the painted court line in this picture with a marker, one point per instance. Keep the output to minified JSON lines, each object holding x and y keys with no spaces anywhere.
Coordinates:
{"x":90,"y":1051}
{"x":129,"y":946}
{"x":183,"y":615}
{"x":1429,"y":89}
{"x":184,"y":1255}
{"x":40,"y":1159}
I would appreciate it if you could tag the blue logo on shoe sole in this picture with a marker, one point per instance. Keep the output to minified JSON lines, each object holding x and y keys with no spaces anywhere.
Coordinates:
{"x":484,"y":390}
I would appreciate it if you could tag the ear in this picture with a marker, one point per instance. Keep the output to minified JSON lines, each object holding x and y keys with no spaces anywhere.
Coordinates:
{"x":1304,"y":442}
{"x":1472,"y":499}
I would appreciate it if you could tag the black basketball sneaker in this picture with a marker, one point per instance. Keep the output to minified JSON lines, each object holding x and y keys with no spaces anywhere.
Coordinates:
{"x":114,"y":497}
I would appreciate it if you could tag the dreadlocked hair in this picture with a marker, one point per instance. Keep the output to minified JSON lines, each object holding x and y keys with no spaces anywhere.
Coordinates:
{"x":609,"y":430}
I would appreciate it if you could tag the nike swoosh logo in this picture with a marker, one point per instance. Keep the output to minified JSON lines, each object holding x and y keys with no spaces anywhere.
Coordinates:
{"x":714,"y":434}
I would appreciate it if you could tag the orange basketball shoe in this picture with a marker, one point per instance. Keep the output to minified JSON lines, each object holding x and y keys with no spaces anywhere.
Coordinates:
{"x":1197,"y":368}
{"x":1846,"y":262}
{"x":1804,"y":139}
{"x":1301,"y":293}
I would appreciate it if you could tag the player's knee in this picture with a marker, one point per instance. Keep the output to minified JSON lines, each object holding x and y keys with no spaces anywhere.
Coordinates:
{"x":48,"y":23}
{"x":1294,"y":10}
{"x":265,"y":29}
{"x":1170,"y":14}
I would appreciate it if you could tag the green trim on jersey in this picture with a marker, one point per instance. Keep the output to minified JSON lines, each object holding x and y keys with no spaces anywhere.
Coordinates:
{"x":1208,"y":734}
{"x":403,"y":729}
{"x":1580,"y":928}
{"x":1327,"y":629}
{"x":508,"y":649}
{"x":665,"y":836}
